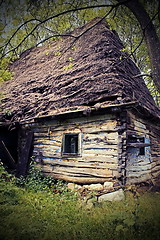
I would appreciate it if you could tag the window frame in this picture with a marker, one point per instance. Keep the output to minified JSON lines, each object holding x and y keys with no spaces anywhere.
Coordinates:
{"x":79,"y":143}
{"x":138,"y":142}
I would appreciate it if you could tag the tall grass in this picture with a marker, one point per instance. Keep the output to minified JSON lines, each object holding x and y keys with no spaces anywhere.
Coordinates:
{"x":46,"y":214}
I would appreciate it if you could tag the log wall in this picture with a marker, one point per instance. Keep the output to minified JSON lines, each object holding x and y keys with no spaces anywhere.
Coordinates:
{"x":143,"y":167}
{"x":100,"y":149}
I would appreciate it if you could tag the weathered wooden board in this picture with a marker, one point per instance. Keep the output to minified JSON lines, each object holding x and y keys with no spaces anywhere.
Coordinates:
{"x":49,"y":148}
{"x":99,"y":158}
{"x":156,"y":173}
{"x":89,"y":127}
{"x":91,"y":145}
{"x":90,"y":160}
{"x":95,"y":158}
{"x":73,"y":171}
{"x":101,"y":151}
{"x":82,"y":120}
{"x":49,"y":142}
{"x":93,"y":165}
{"x":46,"y":154}
{"x":80,"y":179}
{"x":138,"y":179}
{"x":139,"y":170}
{"x":84,"y":171}
{"x":24,"y":157}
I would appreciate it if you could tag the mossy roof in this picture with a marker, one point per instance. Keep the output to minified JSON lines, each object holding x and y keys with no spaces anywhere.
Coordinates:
{"x":85,"y":69}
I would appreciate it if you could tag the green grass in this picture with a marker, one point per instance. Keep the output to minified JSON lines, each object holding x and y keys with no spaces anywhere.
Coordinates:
{"x":30,"y":213}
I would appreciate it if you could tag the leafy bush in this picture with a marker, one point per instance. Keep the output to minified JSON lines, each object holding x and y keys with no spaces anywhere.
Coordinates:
{"x":35,"y":180}
{"x":54,"y":213}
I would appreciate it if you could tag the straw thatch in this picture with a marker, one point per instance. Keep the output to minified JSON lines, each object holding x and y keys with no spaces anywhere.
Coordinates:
{"x":74,"y":73}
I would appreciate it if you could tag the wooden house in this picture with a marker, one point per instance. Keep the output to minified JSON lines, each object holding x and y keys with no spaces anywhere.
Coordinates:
{"x":80,"y":107}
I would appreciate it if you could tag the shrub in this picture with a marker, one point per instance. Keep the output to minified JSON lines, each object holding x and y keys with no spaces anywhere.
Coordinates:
{"x":54,"y":213}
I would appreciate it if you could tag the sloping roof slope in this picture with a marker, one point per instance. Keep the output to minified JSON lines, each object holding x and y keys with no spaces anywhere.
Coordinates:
{"x":72,"y":73}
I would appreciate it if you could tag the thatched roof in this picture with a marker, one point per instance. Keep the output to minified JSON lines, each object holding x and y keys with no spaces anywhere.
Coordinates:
{"x":73,"y":74}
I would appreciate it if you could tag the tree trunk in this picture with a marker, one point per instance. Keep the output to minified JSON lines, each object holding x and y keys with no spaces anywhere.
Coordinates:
{"x":150,"y":35}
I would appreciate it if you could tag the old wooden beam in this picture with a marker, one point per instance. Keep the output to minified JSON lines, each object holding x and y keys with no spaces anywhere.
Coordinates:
{"x":11,"y":161}
{"x":24,"y":158}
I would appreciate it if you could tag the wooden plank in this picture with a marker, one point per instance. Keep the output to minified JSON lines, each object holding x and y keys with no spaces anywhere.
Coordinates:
{"x":138,"y":179}
{"x":138,"y":145}
{"x":76,"y":171}
{"x":156,"y":174}
{"x":86,"y":119}
{"x":94,"y":158}
{"x":155,"y":168}
{"x":138,"y":174}
{"x":81,"y":164}
{"x":99,"y":140}
{"x":93,"y":172}
{"x":47,"y":154}
{"x":108,"y":127}
{"x":40,"y":129}
{"x":145,"y":122}
{"x":109,"y":135}
{"x":79,"y":123}
{"x":52,"y":141}
{"x":10,"y":159}
{"x":101,"y":151}
{"x":49,"y":148}
{"x":24,"y":158}
{"x":79,"y":180}
{"x":138,"y":164}
{"x":97,"y":152}
{"x":99,"y":146}
{"x":138,"y":168}
{"x":54,"y":144}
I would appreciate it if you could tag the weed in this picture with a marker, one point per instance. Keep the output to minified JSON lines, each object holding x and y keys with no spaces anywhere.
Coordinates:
{"x":53,"y":213}
{"x":58,"y":53}
{"x":69,"y":66}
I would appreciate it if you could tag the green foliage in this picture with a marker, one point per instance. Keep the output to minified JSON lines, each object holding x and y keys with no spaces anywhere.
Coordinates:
{"x":71,"y":59}
{"x":5,"y":74}
{"x":69,"y":66}
{"x":35,"y":180}
{"x":24,"y":24}
{"x":58,"y":53}
{"x":55,"y":214}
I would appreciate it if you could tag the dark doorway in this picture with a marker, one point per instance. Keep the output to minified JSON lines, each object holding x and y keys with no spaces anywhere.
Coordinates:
{"x":8,"y":147}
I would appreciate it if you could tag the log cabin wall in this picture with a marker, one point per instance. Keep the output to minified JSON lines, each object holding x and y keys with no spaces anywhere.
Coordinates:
{"x":97,"y":159}
{"x":143,"y":150}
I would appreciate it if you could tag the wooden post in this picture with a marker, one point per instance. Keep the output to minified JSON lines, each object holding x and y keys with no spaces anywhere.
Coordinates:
{"x":11,"y":161}
{"x":25,"y":154}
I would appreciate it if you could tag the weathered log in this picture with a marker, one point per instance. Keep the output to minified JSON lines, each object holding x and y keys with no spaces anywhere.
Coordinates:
{"x":138,"y":145}
{"x":87,"y":171}
{"x":79,"y":180}
{"x":93,"y":165}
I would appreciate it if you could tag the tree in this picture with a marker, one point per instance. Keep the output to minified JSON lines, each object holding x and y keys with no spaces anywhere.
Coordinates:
{"x":36,"y":21}
{"x":150,"y":35}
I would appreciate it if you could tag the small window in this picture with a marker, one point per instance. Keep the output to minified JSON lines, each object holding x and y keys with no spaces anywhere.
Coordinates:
{"x":138,"y":143}
{"x":71,"y":144}
{"x":142,"y":149}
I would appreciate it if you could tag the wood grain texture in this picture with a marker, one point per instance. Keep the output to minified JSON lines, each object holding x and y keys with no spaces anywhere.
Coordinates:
{"x":99,"y":153}
{"x":143,"y":168}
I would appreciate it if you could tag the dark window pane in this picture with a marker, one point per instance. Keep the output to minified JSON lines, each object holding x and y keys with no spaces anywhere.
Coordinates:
{"x":71,"y":143}
{"x":132,"y":139}
{"x":142,"y":151}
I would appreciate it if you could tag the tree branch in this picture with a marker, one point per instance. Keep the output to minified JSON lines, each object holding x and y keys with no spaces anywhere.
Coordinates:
{"x":50,"y":18}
